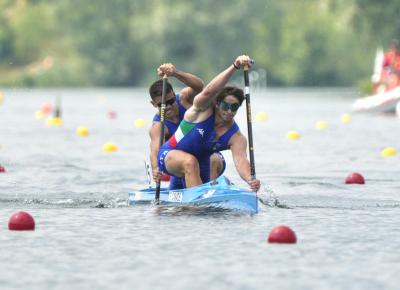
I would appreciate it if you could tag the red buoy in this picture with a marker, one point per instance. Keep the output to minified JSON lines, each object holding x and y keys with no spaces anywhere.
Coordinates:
{"x":21,"y":221}
{"x":2,"y":169}
{"x":46,"y":108}
{"x":282,"y":235}
{"x":355,"y":178}
{"x":112,"y":115}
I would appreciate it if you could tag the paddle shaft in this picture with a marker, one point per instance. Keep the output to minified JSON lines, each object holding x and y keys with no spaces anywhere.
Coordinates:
{"x":57,"y":111}
{"x":162,"y":121}
{"x":249,"y":123}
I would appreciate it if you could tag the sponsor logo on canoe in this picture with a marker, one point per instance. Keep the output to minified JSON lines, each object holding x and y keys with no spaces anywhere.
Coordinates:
{"x":175,"y":196}
{"x":209,"y":193}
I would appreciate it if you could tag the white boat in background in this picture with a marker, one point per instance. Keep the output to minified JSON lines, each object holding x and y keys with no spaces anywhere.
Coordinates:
{"x":376,"y":76}
{"x":380,"y":103}
{"x":383,"y":101}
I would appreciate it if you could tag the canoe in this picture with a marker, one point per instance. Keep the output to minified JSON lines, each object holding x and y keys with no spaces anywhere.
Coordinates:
{"x":219,"y":193}
{"x":380,"y":103}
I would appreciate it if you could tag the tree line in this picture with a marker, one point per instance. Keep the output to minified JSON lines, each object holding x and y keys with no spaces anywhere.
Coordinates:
{"x":121,"y":42}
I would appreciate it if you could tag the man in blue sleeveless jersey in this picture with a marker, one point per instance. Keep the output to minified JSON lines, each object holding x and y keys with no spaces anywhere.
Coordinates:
{"x":176,"y":106}
{"x":208,"y":126}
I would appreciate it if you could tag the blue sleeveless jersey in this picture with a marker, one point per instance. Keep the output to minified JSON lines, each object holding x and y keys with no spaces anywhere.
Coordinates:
{"x":175,"y":182}
{"x":198,"y":139}
{"x":169,"y":124}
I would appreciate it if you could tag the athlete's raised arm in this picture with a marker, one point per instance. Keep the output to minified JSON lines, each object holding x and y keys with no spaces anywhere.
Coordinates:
{"x":194,"y":84}
{"x":205,"y":99}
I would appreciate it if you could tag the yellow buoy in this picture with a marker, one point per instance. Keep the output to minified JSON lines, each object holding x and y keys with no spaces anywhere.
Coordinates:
{"x":293,"y":135}
{"x":1,"y":98}
{"x":140,"y":123}
{"x":82,"y":131}
{"x":388,"y":151}
{"x":54,"y":121}
{"x":110,"y":147}
{"x":261,"y":117}
{"x":345,"y":118}
{"x":321,"y":125}
{"x":39,"y":115}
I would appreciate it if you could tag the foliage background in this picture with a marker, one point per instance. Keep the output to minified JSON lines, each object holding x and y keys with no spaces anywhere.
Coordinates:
{"x":121,"y":42}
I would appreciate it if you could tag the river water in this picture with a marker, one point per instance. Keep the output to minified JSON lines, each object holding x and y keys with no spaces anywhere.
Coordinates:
{"x":87,"y":237}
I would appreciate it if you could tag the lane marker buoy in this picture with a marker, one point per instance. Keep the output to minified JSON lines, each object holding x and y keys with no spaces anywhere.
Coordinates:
{"x":346,"y":118}
{"x":21,"y":221}
{"x":140,"y":123}
{"x":282,"y":235}
{"x":54,"y":122}
{"x":82,"y":131}
{"x":355,"y":178}
{"x":110,"y":147}
{"x":112,"y":115}
{"x":46,"y":108}
{"x":388,"y":151}
{"x":261,"y":117}
{"x":321,"y":125}
{"x":293,"y":135}
{"x":1,"y":98}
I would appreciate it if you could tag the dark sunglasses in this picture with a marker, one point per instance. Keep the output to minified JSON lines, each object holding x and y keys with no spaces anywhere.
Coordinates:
{"x":169,"y":102}
{"x":228,"y":106}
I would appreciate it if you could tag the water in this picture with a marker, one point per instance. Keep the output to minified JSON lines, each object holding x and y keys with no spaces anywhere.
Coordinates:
{"x":86,"y":236}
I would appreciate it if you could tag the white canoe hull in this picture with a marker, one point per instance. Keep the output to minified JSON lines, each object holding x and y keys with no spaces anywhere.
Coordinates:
{"x":379,"y":103}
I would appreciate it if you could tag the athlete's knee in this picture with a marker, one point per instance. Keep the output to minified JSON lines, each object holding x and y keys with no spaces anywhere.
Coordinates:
{"x":190,"y":164}
{"x":216,"y":163}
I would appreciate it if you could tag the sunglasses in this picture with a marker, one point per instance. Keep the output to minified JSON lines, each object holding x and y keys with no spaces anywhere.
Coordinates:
{"x":169,"y":102}
{"x":228,"y":106}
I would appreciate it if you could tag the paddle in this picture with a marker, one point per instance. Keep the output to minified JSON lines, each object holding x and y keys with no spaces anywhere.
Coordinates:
{"x":147,"y":171}
{"x":162,"y":116}
{"x":249,"y":124}
{"x":57,"y":111}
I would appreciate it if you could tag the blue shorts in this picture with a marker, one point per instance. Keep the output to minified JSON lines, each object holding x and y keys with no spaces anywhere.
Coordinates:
{"x":179,"y":182}
{"x":176,"y":183}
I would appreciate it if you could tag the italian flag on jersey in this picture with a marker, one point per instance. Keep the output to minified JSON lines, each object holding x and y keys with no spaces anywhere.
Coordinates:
{"x":183,"y":129}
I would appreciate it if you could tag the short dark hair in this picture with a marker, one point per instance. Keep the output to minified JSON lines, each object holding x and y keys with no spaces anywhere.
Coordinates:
{"x":231,"y":91}
{"x":156,"y":89}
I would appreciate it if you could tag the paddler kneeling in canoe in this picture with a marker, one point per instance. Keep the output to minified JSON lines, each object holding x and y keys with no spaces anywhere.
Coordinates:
{"x":208,"y":126}
{"x":176,"y":106}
